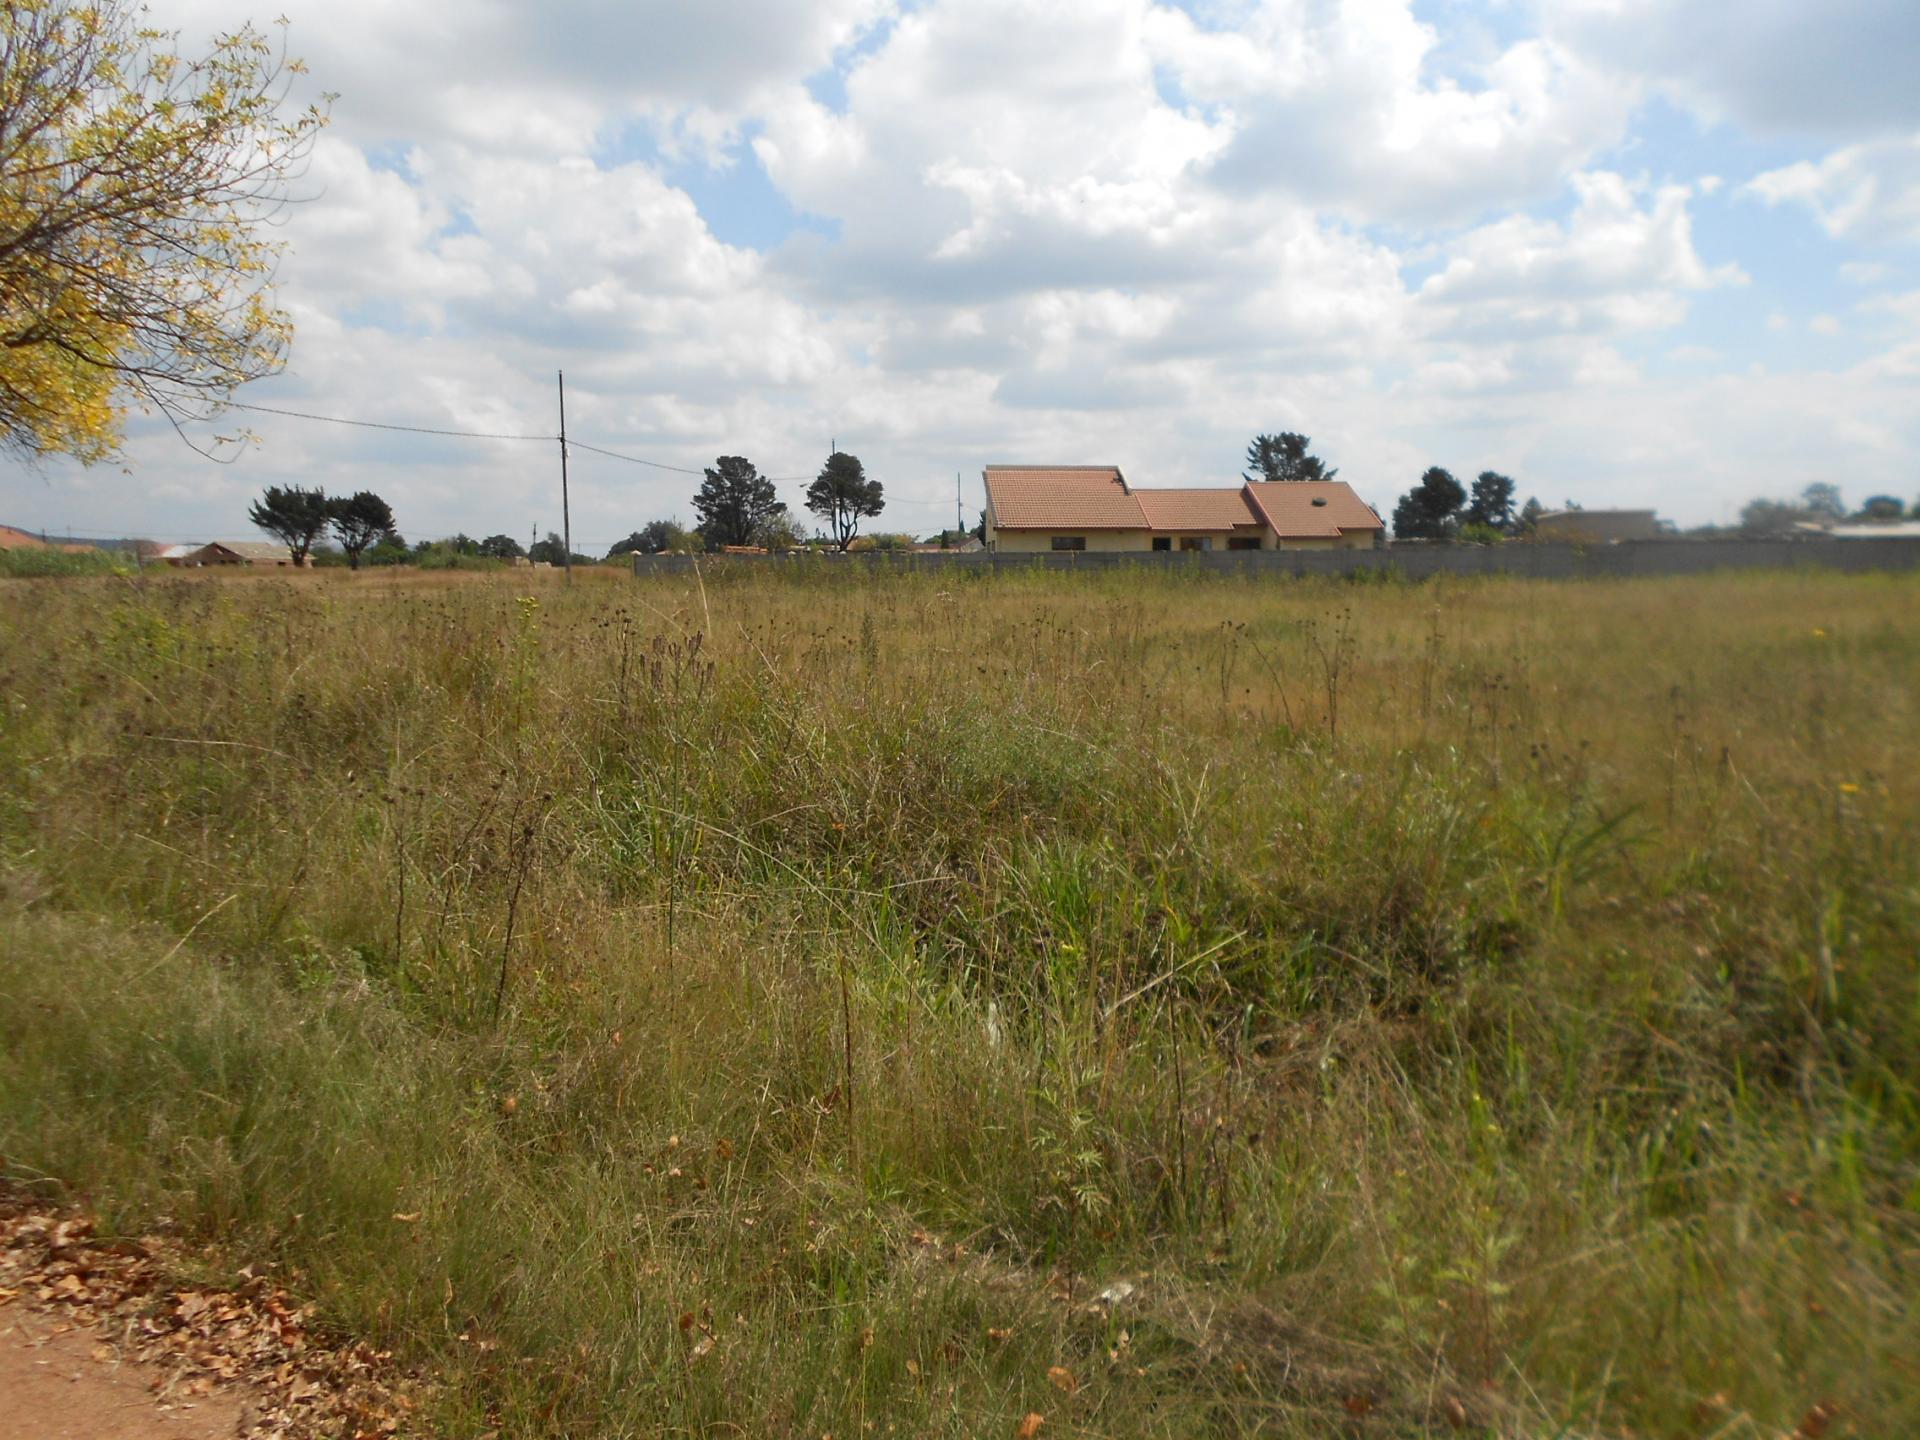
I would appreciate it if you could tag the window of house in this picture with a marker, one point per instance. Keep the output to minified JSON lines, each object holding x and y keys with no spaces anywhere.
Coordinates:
{"x":1069,"y":542}
{"x":1243,"y":542}
{"x":1163,"y":542}
{"x":1196,"y":542}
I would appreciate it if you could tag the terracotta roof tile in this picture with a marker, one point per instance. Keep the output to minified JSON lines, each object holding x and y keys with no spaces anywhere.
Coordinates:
{"x":1097,"y":497}
{"x":1059,"y":497}
{"x":1222,"y":508}
{"x":1302,"y":509}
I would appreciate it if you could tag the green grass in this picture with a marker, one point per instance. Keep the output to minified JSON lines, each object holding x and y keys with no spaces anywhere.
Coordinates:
{"x":33,"y":564}
{"x":1481,"y":1004}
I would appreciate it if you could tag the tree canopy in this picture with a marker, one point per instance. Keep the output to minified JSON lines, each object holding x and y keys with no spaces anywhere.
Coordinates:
{"x":1284,"y":457}
{"x":294,"y":514}
{"x":1881,"y":507}
{"x":501,"y":547}
{"x":1492,"y":502}
{"x":656,"y":537}
{"x":553,"y":551}
{"x":359,"y":520}
{"x":1430,"y":511}
{"x":135,"y":187}
{"x":1822,"y":501}
{"x":843,"y":496}
{"x":734,"y":501}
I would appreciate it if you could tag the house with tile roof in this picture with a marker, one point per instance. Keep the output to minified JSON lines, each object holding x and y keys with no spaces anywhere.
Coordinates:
{"x":1034,"y":508}
{"x":238,"y":552}
{"x":12,"y":539}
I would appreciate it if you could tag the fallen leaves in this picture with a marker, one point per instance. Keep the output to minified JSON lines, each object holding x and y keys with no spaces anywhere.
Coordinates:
{"x":202,"y":1339}
{"x":1029,"y":1425}
{"x":1062,"y":1379}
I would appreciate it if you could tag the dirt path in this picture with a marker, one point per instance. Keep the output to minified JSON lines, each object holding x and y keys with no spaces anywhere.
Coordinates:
{"x":60,"y":1383}
{"x":111,"y":1337}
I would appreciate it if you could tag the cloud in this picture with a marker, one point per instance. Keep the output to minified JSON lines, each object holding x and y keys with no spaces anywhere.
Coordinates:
{"x":553,"y":78}
{"x":1614,"y":267}
{"x":1098,"y":229}
{"x":1341,"y":104}
{"x":1868,"y":192}
{"x":1777,"y":66}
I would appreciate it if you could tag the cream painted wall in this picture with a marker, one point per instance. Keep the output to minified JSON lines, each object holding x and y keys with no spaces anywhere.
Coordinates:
{"x":1031,"y":542}
{"x":1034,"y":542}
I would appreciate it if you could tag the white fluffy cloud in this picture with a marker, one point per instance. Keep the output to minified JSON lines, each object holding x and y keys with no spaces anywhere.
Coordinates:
{"x":1339,"y":103}
{"x":1868,"y":192}
{"x":1059,"y":229}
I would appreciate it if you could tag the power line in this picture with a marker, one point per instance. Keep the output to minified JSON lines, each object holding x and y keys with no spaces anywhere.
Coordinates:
{"x":492,"y":435}
{"x":380,"y":425}
{"x":634,"y":459}
{"x":486,"y":435}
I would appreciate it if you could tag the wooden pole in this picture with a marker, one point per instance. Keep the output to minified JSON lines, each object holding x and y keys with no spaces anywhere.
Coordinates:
{"x":566,"y":516}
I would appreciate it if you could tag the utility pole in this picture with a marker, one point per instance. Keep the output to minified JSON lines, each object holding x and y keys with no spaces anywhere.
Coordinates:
{"x":959,"y":510}
{"x":566,"y":516}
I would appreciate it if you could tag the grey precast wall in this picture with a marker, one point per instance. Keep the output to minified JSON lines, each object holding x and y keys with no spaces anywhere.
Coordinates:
{"x":1414,"y":562}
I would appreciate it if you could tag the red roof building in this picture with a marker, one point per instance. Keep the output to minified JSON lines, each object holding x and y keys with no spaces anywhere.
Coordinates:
{"x":1034,"y":508}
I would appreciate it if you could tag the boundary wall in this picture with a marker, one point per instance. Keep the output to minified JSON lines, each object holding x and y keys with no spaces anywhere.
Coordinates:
{"x":1415,"y":562}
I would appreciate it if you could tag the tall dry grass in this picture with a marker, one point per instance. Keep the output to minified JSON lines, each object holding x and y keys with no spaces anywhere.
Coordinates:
{"x":787,"y":1005}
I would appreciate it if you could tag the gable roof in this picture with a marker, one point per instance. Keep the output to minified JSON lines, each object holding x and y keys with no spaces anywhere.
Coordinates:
{"x":1219,"y":508}
{"x":254,"y":551}
{"x":12,"y":539}
{"x":1308,"y":508}
{"x":1097,"y":497}
{"x":1053,"y":497}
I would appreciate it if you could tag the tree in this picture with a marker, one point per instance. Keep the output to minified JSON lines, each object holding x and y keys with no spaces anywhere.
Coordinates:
{"x":1880,"y":507}
{"x":1431,"y":509}
{"x":843,"y":496}
{"x":136,"y":191}
{"x":1773,"y":517}
{"x":1492,"y":502}
{"x":656,"y":537}
{"x":358,"y":520}
{"x":553,"y":551}
{"x":391,"y":549}
{"x":1530,"y":514}
{"x":501,"y":547}
{"x":1284,"y":457}
{"x":1822,"y":501}
{"x":733,"y":501}
{"x":294,"y":514}
{"x":779,"y":532}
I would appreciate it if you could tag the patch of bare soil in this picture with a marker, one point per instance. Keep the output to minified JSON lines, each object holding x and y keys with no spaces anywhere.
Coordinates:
{"x":99,"y":1337}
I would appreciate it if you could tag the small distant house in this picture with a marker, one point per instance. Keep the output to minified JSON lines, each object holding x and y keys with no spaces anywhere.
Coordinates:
{"x":1877,"y":530}
{"x":1032,"y":508}
{"x":1597,"y":527}
{"x":12,"y":539}
{"x":261,"y":553}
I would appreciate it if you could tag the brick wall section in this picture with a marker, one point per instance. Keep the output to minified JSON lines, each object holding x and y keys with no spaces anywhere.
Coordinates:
{"x":1546,"y":562}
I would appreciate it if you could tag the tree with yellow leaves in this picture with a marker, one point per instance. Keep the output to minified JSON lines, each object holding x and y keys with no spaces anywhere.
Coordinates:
{"x":135,"y":188}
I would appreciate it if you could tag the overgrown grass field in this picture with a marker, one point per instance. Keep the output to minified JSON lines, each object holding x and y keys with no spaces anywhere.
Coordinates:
{"x":915,"y":1004}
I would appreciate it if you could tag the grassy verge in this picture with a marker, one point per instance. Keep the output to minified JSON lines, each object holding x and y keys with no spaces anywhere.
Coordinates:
{"x":791,"y":1004}
{"x":25,"y":564}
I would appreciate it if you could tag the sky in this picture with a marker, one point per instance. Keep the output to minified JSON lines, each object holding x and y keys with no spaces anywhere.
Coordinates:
{"x":1642,"y":253}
